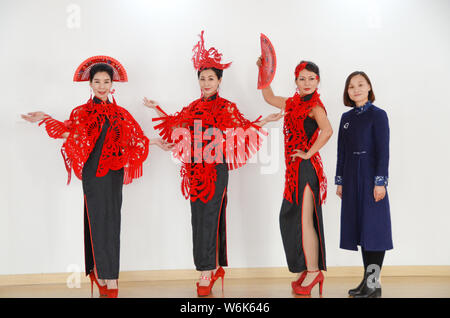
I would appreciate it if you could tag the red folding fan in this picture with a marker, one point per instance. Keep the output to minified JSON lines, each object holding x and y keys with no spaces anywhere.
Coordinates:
{"x":82,"y":72}
{"x":269,"y":63}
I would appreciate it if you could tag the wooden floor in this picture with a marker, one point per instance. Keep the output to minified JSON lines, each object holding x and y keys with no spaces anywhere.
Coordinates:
{"x":334,"y":287}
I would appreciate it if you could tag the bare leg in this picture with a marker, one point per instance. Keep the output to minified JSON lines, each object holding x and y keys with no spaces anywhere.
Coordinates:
{"x":310,"y":239}
{"x":111,"y":283}
{"x":101,"y":282}
{"x":206,"y":282}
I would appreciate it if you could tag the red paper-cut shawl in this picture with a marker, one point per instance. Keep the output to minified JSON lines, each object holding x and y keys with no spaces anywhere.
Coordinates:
{"x":295,"y":137}
{"x":241,"y":139}
{"x":125,"y":145}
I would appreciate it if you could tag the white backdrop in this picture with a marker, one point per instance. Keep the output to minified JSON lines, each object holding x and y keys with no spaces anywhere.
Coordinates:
{"x":402,"y":45}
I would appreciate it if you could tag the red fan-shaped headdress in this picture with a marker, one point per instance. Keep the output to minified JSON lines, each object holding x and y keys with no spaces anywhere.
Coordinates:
{"x":82,"y":72}
{"x":207,"y":58}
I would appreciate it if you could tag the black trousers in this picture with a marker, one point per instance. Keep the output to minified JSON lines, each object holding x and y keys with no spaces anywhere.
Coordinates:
{"x":209,"y":226}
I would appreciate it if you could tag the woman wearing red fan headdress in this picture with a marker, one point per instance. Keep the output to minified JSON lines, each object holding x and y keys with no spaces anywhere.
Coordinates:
{"x":105,"y":147}
{"x":305,"y":182}
{"x":222,"y":139}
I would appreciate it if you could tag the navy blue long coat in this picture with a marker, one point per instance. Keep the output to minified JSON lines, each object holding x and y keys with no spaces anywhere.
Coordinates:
{"x":362,"y":163}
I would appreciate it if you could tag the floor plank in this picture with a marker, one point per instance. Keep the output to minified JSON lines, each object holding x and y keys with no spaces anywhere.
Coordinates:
{"x":334,"y":287}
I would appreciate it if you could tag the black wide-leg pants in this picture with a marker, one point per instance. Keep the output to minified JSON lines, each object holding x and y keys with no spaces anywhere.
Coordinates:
{"x":209,"y":226}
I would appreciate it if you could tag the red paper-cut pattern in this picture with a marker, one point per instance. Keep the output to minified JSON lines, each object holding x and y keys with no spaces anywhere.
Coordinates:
{"x":82,"y":72}
{"x":240,"y":139}
{"x":125,"y":145}
{"x":295,"y":138}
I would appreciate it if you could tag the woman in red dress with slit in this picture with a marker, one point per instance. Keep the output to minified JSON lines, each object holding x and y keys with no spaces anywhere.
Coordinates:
{"x":305,"y":189}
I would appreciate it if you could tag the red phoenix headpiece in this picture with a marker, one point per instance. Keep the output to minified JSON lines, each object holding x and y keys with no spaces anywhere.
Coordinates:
{"x":207,"y":58}
{"x":82,"y":72}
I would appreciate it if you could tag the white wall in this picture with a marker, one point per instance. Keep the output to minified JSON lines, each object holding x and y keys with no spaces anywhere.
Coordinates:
{"x":402,"y":45}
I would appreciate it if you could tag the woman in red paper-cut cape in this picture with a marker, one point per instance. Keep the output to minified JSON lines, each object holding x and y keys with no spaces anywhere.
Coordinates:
{"x":211,"y":137}
{"x":305,"y":189}
{"x":105,"y":147}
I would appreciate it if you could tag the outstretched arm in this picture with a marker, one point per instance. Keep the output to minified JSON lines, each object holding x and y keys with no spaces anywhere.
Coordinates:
{"x":154,"y":105}
{"x":269,"y":96}
{"x":162,"y":114}
{"x":34,"y":117}
{"x":269,"y":118}
{"x":161,"y":143}
{"x":55,"y":128}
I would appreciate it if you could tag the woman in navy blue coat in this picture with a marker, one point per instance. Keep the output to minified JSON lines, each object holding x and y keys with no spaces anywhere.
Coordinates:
{"x":362,"y":178}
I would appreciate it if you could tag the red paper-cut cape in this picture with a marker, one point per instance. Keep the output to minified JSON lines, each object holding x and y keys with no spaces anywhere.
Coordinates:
{"x":125,"y":145}
{"x":238,"y":138}
{"x":295,"y":138}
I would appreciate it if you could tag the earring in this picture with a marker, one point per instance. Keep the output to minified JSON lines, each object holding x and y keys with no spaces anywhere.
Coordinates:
{"x":112,"y":96}
{"x":111,"y":92}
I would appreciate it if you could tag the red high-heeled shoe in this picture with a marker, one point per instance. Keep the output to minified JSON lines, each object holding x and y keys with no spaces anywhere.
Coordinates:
{"x":206,"y":290}
{"x":112,"y":293}
{"x":299,"y":281}
{"x":101,"y":289}
{"x":306,"y":290}
{"x":220,"y":273}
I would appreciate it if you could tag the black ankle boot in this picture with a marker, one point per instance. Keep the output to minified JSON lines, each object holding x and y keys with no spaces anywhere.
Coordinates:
{"x":356,"y":290}
{"x":371,"y":287}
